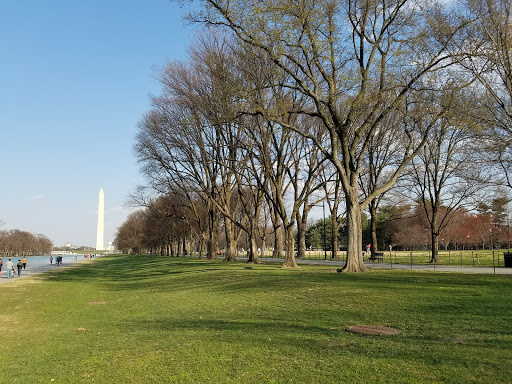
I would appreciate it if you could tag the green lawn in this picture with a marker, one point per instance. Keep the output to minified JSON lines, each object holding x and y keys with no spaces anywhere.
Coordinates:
{"x":148,"y":319}
{"x":484,"y":258}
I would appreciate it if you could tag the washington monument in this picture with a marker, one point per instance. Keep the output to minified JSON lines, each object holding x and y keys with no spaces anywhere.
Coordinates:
{"x":101,"y":221}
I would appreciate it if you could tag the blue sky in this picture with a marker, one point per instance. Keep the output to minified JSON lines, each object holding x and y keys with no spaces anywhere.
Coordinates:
{"x":75,"y":79}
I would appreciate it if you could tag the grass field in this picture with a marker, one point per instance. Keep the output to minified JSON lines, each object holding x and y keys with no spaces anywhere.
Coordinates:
{"x":484,"y":258}
{"x":148,"y":319}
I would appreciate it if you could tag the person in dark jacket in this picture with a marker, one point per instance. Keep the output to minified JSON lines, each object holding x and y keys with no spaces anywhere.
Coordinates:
{"x":20,"y":266}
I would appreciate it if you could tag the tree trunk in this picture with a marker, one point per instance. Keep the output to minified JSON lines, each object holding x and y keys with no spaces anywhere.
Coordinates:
{"x":230,"y":241}
{"x":253,"y":251}
{"x":435,"y":248}
{"x":354,"y":234}
{"x":202,"y":246}
{"x":435,"y":236}
{"x":301,"y":234}
{"x":373,"y":225}
{"x":289,"y":261}
{"x":278,"y":239}
{"x":262,"y":250}
{"x":334,"y":236}
{"x":212,"y":238}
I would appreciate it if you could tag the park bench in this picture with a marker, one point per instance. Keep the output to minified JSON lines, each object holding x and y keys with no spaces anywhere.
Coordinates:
{"x":377,"y":256}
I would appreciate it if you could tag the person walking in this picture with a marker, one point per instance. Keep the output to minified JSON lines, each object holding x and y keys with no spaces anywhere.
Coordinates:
{"x":1,"y":263}
{"x":10,"y":268}
{"x":20,"y":266}
{"x":24,"y":261}
{"x":51,"y":259}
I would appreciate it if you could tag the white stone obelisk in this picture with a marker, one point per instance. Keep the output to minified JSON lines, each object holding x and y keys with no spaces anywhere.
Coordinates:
{"x":101,"y":222}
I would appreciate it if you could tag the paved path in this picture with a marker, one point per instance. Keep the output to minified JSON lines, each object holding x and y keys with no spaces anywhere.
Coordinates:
{"x":34,"y":270}
{"x":415,"y":267}
{"x":445,"y":268}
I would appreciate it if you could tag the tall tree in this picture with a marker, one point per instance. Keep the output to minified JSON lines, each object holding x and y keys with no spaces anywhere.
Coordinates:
{"x":489,"y":48}
{"x":384,"y":153}
{"x":354,"y":62}
{"x":191,"y":137}
{"x":130,"y":235}
{"x":442,"y":176}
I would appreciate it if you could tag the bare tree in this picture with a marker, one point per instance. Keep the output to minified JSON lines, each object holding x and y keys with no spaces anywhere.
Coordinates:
{"x":442,"y":175}
{"x":383,"y":156}
{"x":354,"y":62}
{"x":167,"y":225}
{"x":130,"y":235}
{"x":333,"y":197}
{"x":190,"y":138}
{"x":489,"y":47}
{"x":23,"y":243}
{"x":284,"y":163}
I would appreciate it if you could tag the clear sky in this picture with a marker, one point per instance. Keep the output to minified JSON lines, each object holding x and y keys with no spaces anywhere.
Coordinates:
{"x":75,"y":79}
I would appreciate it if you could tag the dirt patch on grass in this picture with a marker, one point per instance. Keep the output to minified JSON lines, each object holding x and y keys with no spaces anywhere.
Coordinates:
{"x":373,"y":330}
{"x":26,"y":281}
{"x":97,"y":303}
{"x":10,"y":326}
{"x":7,"y":319}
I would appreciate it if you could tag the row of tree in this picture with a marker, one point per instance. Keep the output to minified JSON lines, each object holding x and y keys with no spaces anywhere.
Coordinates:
{"x":292,"y":104}
{"x":164,"y":228}
{"x":22,"y":243}
{"x":406,"y":227}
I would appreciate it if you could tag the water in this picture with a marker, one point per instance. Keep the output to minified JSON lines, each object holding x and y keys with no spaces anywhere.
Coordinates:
{"x":41,"y":260}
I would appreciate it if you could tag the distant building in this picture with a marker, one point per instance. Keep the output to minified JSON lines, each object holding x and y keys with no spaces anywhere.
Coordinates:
{"x":62,"y":253}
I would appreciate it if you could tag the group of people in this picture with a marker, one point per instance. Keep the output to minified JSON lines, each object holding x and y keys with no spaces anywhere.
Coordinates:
{"x":58,"y":260}
{"x":22,"y":264}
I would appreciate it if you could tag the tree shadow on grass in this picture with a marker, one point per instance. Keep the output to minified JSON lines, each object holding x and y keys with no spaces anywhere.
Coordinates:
{"x":280,"y":336}
{"x":161,"y":274}
{"x":283,"y":336}
{"x":126,"y":268}
{"x":157,"y":273}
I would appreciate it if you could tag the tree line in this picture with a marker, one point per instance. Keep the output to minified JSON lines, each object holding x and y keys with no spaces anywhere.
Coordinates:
{"x":16,"y":242}
{"x":355,"y":105}
{"x":406,"y":227}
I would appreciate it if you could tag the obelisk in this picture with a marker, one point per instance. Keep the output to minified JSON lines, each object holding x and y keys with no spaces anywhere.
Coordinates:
{"x":101,"y":222}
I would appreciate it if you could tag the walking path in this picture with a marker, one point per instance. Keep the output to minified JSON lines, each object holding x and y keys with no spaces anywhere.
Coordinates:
{"x":36,"y":269}
{"x":415,"y":267}
{"x":445,"y":268}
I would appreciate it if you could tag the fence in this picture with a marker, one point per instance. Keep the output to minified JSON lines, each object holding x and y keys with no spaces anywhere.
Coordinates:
{"x":483,"y":258}
{"x":403,"y":259}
